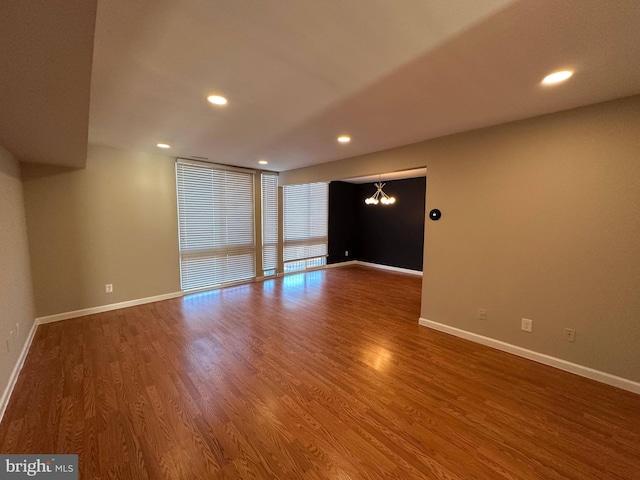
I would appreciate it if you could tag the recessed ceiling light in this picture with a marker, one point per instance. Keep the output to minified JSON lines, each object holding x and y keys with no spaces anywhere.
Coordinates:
{"x":262,"y":162}
{"x":344,"y":139}
{"x":557,"y":77}
{"x":163,"y":145}
{"x":217,"y":100}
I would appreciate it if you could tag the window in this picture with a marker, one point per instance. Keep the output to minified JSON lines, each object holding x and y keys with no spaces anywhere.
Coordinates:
{"x":299,"y":265}
{"x":216,"y":225}
{"x":305,"y":226}
{"x":269,"y":224}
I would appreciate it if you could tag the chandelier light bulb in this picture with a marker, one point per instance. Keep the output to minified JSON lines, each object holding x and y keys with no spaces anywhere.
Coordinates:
{"x":380,"y":196}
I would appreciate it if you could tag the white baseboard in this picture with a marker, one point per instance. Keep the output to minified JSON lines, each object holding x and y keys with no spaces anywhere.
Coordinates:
{"x":4,"y":400}
{"x":388,"y":267}
{"x":358,"y":262}
{"x":341,"y":264}
{"x":375,"y":265}
{"x":581,"y":370}
{"x":106,"y":308}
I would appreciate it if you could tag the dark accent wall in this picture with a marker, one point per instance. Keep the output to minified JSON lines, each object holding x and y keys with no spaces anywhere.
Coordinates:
{"x":343,"y":200}
{"x":388,"y":235}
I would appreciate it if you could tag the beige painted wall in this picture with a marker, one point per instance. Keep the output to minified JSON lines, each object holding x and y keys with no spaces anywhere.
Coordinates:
{"x":540,"y":220}
{"x":113,"y":222}
{"x":16,"y":295}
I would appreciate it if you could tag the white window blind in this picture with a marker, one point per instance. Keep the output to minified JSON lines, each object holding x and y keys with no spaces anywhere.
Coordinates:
{"x":305,"y":221}
{"x":216,"y":225}
{"x":269,"y":221}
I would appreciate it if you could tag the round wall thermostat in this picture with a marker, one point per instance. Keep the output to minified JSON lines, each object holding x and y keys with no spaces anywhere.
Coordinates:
{"x":435,"y":214}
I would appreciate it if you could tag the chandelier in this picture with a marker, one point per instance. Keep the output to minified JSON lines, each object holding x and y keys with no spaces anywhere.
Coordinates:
{"x":380,"y":196}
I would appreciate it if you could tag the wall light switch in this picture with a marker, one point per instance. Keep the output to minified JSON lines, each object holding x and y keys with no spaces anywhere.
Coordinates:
{"x":527,"y":324}
{"x":108,"y":288}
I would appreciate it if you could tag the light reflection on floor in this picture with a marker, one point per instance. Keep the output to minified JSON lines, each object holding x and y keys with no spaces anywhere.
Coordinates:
{"x":268,"y":286}
{"x":309,"y":281}
{"x":224,"y":292}
{"x":288,"y":292}
{"x":195,"y":297}
{"x":377,"y":357}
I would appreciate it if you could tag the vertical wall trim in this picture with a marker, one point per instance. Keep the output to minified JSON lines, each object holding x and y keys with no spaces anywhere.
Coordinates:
{"x":13,"y":379}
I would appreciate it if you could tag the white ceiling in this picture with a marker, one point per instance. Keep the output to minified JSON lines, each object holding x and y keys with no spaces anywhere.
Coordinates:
{"x":299,"y":73}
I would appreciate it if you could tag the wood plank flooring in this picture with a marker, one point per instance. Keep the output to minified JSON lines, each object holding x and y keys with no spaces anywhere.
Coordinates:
{"x":324,"y":375}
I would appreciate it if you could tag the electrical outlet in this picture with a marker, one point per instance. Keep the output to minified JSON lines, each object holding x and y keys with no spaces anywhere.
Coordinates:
{"x":569,"y":334}
{"x":346,"y":253}
{"x":482,"y":314}
{"x":527,"y":325}
{"x":108,"y":288}
{"x":17,"y":329}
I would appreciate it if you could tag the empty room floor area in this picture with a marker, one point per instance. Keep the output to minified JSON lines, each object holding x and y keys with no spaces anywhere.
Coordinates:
{"x":317,"y":375}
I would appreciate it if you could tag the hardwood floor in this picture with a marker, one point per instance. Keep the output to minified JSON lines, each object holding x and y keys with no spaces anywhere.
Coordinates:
{"x":324,"y":375}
